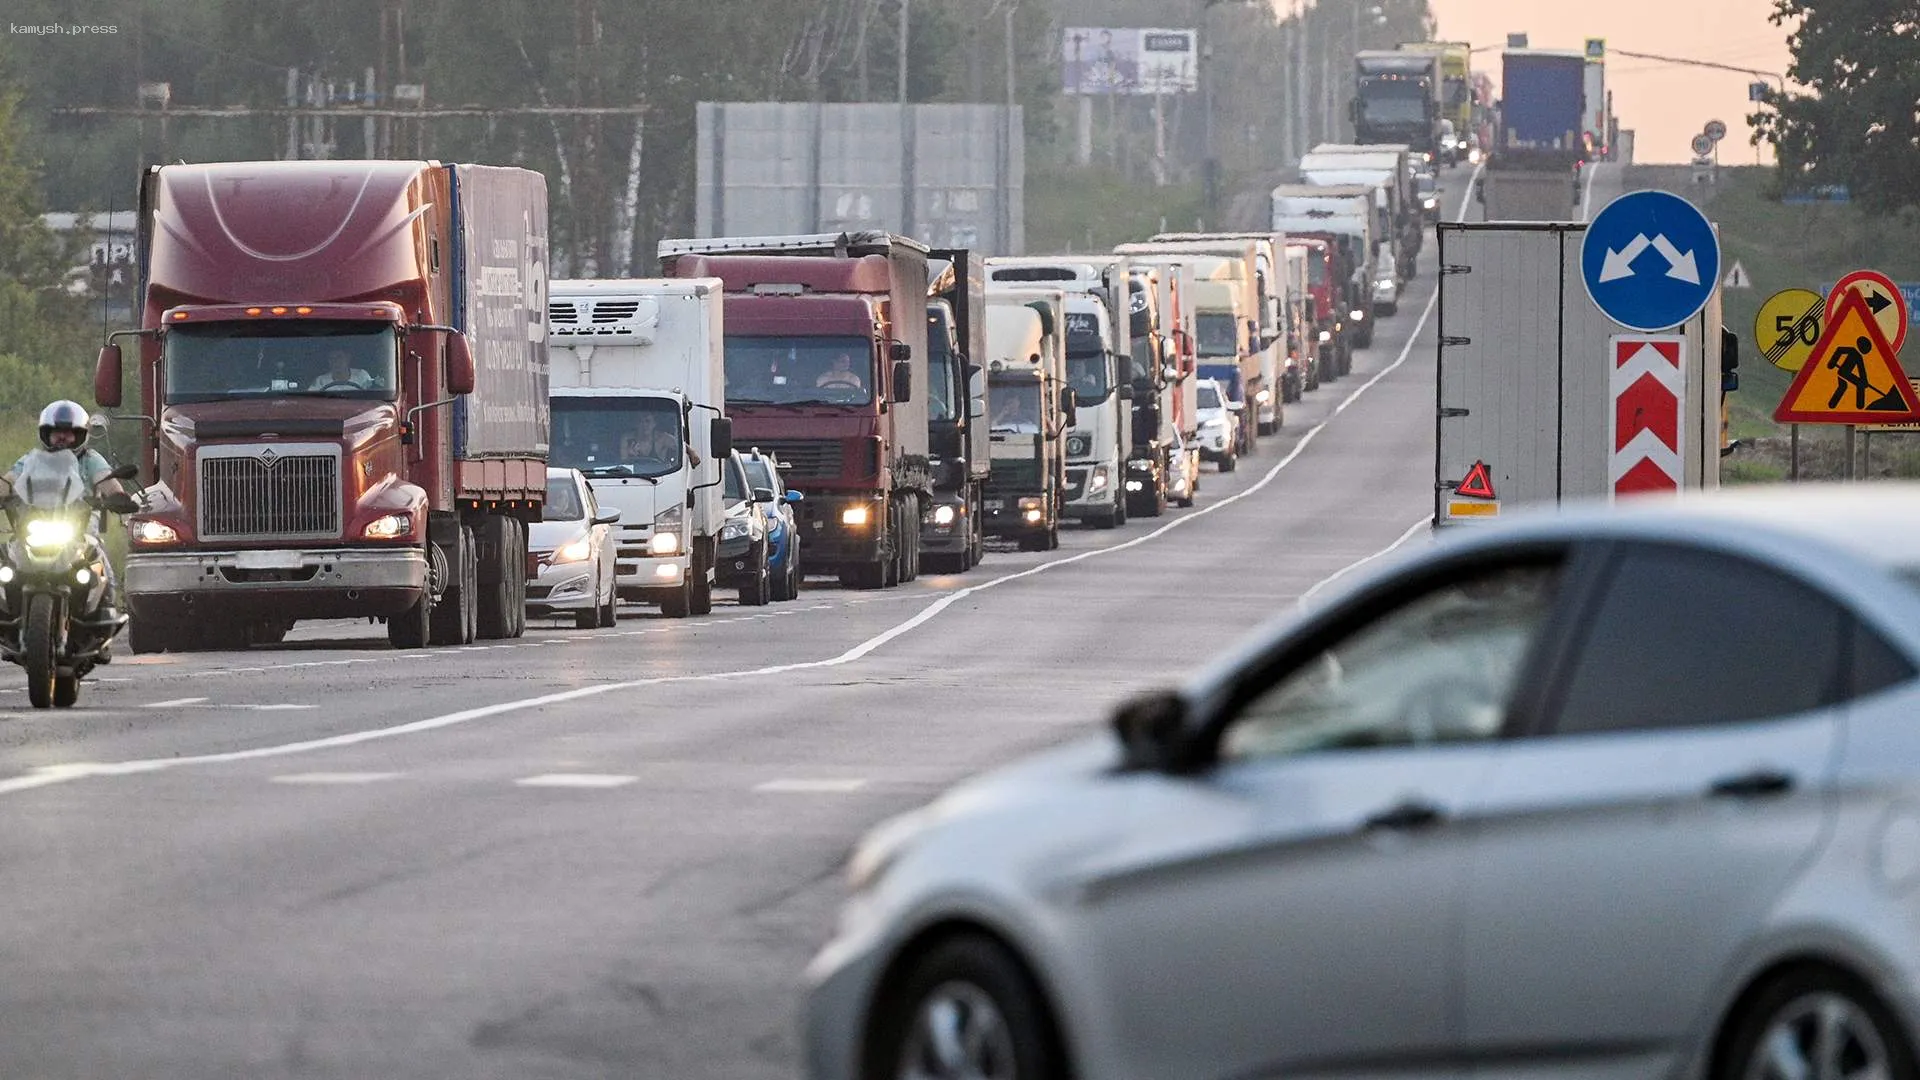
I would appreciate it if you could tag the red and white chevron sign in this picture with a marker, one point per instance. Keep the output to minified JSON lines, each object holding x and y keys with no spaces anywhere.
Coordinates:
{"x":1644,"y":428}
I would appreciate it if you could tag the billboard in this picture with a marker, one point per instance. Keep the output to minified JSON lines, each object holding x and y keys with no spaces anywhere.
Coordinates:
{"x":1129,"y":60}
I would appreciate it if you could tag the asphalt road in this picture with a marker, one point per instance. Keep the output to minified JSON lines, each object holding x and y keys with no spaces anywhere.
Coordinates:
{"x":603,"y":853}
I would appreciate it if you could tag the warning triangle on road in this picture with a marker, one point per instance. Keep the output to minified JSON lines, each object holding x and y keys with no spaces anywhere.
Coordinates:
{"x":1737,"y":278}
{"x":1852,"y":377}
{"x":1479,"y":483}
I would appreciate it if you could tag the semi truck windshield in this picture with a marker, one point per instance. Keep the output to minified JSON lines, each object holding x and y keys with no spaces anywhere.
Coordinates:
{"x":940,"y":374}
{"x":799,"y":370}
{"x":1394,"y":102}
{"x":230,"y":360}
{"x":1087,"y":374}
{"x":611,"y":436}
{"x":1216,"y":333}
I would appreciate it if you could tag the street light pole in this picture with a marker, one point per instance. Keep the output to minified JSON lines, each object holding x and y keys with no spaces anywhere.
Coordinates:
{"x":903,"y":50}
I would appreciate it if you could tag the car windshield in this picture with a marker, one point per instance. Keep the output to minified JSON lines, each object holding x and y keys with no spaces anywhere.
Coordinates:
{"x":799,"y":370}
{"x":612,"y":436}
{"x":563,"y":500}
{"x":759,"y":474}
{"x":234,"y":360}
{"x":1217,"y":334}
{"x":1208,"y":396}
{"x":734,"y":487}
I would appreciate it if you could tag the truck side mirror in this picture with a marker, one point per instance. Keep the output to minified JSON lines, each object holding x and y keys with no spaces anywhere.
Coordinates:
{"x":1069,"y":404}
{"x":1125,"y":390}
{"x":1353,"y":110}
{"x":460,"y":371}
{"x":1729,"y":361}
{"x":899,"y":352}
{"x":720,"y":436}
{"x":902,"y":378}
{"x":976,"y":407}
{"x":106,"y":377}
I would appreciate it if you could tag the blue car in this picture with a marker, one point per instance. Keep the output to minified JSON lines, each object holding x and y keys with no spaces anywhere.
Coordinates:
{"x":783,"y":533}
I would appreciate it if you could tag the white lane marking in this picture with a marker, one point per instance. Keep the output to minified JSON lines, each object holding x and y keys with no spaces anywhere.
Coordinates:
{"x":811,"y":787}
{"x":335,"y":777}
{"x":1586,"y":200}
{"x":1466,"y":202}
{"x":575,"y":780}
{"x":1412,"y":531}
{"x":58,"y":774}
{"x":176,"y":701}
{"x":284,"y":707}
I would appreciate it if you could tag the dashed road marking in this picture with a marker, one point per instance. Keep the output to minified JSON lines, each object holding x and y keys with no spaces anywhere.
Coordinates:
{"x":335,"y":777}
{"x":576,"y":780}
{"x":173,"y":702}
{"x":811,"y":787}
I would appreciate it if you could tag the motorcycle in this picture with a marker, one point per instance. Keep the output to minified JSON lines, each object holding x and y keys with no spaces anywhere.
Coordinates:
{"x":53,"y":585}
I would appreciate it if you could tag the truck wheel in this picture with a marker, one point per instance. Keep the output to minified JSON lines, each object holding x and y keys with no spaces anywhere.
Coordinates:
{"x":453,"y":616}
{"x":494,"y":614}
{"x":146,"y":635}
{"x":700,"y":589}
{"x":676,"y":604}
{"x":1120,"y":510}
{"x":412,"y":628}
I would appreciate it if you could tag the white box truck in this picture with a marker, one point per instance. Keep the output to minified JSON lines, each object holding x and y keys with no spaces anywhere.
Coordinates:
{"x":1343,"y":215}
{"x":637,"y":390}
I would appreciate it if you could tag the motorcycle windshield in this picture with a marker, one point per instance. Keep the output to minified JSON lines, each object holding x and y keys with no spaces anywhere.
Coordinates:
{"x":51,"y":480}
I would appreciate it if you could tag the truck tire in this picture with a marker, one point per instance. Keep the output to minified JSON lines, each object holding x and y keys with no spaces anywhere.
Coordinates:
{"x":413,"y":628}
{"x":453,"y":616}
{"x":700,"y":588}
{"x":678,"y":603}
{"x":39,"y":648}
{"x":1120,"y":511}
{"x":494,"y":606}
{"x":910,"y":537}
{"x":147,"y":635}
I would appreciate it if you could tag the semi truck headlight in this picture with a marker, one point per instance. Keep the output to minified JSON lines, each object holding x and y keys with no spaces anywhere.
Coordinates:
{"x":1099,"y":480}
{"x":152,"y":532}
{"x":45,"y":533}
{"x":664,"y":543}
{"x":575,"y":550}
{"x":856,"y":515}
{"x":943,"y":515}
{"x":389,"y":527}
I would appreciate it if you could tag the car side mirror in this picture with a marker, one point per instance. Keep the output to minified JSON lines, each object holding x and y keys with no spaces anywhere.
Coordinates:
{"x":1236,"y":406}
{"x":107,"y":376}
{"x":460,"y":372}
{"x":763,"y":495}
{"x":793,"y":496}
{"x":720,"y":436}
{"x":125,"y":472}
{"x":902,"y":376}
{"x":606,"y":517}
{"x":1152,"y":730}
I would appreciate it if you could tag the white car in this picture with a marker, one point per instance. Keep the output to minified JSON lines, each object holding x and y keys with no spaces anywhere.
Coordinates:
{"x":1627,"y":792}
{"x":1183,"y":472}
{"x":1219,"y":439}
{"x":575,"y":552}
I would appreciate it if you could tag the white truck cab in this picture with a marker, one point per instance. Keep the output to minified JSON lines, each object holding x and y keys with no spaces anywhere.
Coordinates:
{"x":637,"y":392}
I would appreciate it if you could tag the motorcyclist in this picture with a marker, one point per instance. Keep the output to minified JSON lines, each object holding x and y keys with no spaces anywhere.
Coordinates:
{"x":64,"y":426}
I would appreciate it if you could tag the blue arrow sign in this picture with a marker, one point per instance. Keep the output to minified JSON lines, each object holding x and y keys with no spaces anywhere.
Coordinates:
{"x":1650,"y":260}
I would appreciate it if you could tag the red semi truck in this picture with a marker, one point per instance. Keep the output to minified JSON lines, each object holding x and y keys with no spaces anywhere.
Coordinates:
{"x":827,"y":367}
{"x":343,"y":383}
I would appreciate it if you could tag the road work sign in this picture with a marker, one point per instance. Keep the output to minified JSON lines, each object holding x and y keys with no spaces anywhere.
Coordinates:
{"x":1788,"y":327}
{"x":1644,"y":431}
{"x":1885,"y":302}
{"x":1650,"y":260}
{"x":1852,"y":376}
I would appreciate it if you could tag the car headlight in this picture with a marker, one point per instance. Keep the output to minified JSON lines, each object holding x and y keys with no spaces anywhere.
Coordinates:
{"x":152,"y":532}
{"x":881,"y":848}
{"x":944,"y":515}
{"x":1326,"y":336}
{"x":389,"y":527}
{"x":1356,"y":315}
{"x":575,"y":550}
{"x":43,"y":533}
{"x":1429,"y":203}
{"x":733,"y":530}
{"x":856,"y":515}
{"x":1265,"y":396}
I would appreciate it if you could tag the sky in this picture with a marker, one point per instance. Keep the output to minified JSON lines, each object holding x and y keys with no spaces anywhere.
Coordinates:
{"x":1664,"y":104}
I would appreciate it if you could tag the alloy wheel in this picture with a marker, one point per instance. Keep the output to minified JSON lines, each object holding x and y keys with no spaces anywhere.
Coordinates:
{"x":1823,"y":1035}
{"x":958,"y":1034}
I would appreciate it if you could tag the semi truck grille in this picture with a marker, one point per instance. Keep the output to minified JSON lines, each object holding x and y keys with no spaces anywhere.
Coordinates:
{"x":805,"y":459}
{"x":269,"y":493}
{"x":1014,"y":477}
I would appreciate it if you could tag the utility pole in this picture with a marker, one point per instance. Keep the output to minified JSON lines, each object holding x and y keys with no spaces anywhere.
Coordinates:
{"x":904,"y":5}
{"x":1301,"y":133}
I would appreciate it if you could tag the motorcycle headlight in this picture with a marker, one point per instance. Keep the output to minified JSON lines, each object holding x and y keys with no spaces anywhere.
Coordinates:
{"x":576,"y":550}
{"x":152,"y":532}
{"x":46,"y":533}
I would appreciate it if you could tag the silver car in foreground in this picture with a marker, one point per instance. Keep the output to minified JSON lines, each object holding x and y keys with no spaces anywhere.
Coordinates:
{"x":1604,"y":795}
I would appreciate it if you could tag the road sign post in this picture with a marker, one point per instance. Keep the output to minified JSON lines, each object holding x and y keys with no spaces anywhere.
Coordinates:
{"x":1650,"y":261}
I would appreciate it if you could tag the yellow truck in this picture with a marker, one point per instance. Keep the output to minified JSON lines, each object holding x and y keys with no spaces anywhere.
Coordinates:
{"x":1456,"y":91}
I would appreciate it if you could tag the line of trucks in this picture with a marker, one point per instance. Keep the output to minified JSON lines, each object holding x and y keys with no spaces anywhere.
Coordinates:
{"x":350,"y":378}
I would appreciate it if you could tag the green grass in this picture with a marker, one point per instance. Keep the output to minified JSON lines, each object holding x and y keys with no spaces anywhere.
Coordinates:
{"x":1071,"y":209}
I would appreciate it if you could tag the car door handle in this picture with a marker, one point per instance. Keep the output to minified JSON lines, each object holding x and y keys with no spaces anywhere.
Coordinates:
{"x":1757,"y":784}
{"x":1406,"y":817}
